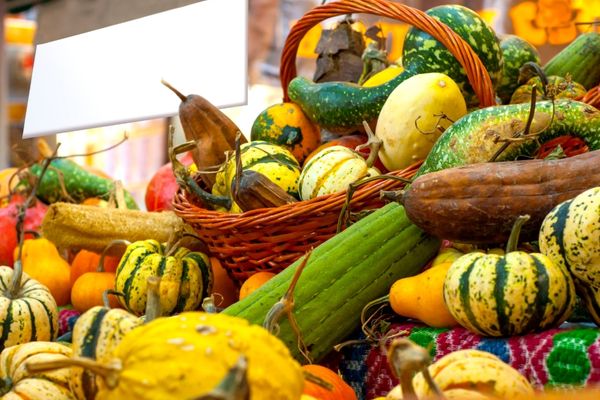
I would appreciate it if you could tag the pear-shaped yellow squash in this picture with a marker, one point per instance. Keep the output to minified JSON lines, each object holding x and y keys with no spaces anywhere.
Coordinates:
{"x":422,"y":296}
{"x":188,"y":355}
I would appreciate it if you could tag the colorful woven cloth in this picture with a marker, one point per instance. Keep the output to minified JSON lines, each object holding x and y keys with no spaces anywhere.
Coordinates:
{"x":66,"y":320}
{"x":568,"y":356}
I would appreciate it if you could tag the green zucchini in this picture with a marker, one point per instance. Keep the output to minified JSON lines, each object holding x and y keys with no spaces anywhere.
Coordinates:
{"x":341,"y":106}
{"x":342,"y":275}
{"x":79,"y":183}
{"x":580,"y":59}
{"x":516,"y":51}
{"x":471,"y":139}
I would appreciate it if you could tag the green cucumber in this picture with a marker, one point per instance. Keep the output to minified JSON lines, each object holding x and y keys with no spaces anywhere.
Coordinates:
{"x":341,"y":106}
{"x":516,"y":51}
{"x":580,"y":59}
{"x":342,"y":275}
{"x":79,"y":183}
{"x":471,"y":139}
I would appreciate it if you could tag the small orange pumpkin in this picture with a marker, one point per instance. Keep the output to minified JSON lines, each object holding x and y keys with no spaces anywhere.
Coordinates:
{"x":42,"y":262}
{"x":340,"y":389}
{"x":87,"y":261}
{"x":254,"y":282}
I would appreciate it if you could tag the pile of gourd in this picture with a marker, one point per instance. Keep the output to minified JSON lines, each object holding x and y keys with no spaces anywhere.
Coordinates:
{"x":160,"y":346}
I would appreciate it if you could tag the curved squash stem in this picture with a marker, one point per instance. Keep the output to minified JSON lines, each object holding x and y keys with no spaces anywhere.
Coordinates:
{"x":105,"y":300}
{"x":530,"y":69}
{"x":234,"y":386}
{"x":373,"y":143}
{"x":153,"y":308}
{"x":209,"y":305}
{"x":185,"y":181}
{"x":286,"y":306}
{"x":513,"y":239}
{"x":122,"y":242}
{"x":181,"y":96}
{"x":407,"y":358}
{"x":239,"y":168}
{"x":15,"y":284}
{"x":345,"y":211}
{"x":109,"y":372}
{"x":363,"y":314}
{"x":437,"y":128}
{"x":61,"y":182}
{"x":392,"y":195}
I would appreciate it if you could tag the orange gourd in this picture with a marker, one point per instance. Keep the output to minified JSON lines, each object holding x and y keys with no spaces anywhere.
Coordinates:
{"x":87,"y":261}
{"x":42,"y":262}
{"x":340,"y":389}
{"x":224,"y":288}
{"x":254,"y":282}
{"x":88,"y":290}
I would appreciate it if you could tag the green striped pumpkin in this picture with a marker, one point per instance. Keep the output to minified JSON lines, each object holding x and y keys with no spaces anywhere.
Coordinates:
{"x":331,"y":170}
{"x":95,"y":335}
{"x":508,"y":295}
{"x":273,"y":161}
{"x":186,"y":277}
{"x":570,"y":236}
{"x":29,"y":316}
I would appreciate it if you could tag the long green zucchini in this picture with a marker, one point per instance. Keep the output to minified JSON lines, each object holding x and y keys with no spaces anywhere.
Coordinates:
{"x":342,"y":275}
{"x":470,"y":140}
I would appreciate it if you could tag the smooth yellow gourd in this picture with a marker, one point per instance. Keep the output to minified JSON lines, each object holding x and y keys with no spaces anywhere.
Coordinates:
{"x":422,"y":297}
{"x":384,"y":76}
{"x":408,"y":121}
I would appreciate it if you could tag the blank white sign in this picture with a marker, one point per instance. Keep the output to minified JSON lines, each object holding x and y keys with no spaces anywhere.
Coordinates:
{"x":112,"y":75}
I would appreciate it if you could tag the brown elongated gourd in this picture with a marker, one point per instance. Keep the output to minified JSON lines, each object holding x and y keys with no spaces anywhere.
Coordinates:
{"x":479,"y":203}
{"x":212,"y":130}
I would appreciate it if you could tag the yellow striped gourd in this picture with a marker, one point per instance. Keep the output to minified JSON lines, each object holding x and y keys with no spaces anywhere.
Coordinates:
{"x":331,"y":170}
{"x":186,"y":277}
{"x":18,"y":384}
{"x":273,"y":161}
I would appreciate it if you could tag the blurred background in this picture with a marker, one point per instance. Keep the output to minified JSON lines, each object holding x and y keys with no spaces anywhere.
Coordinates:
{"x":548,"y":24}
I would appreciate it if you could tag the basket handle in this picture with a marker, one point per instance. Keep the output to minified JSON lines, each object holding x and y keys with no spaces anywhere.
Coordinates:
{"x":477,"y":74}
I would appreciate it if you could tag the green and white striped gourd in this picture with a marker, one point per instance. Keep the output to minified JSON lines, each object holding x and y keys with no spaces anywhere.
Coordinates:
{"x":273,"y":161}
{"x":331,"y":170}
{"x":508,"y":295}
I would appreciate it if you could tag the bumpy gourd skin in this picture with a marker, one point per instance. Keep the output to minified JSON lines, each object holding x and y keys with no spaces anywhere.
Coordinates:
{"x":186,"y":356}
{"x":470,"y":140}
{"x":516,"y":51}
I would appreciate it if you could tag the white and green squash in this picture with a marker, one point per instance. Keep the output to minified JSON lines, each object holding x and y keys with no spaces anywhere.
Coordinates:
{"x":508,"y":295}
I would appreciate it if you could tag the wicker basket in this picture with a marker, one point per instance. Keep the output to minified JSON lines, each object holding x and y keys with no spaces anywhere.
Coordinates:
{"x":271,"y":239}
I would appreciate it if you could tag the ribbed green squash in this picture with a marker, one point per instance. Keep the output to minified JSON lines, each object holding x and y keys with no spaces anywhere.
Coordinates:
{"x":342,"y":275}
{"x":508,"y":295}
{"x":516,"y":51}
{"x":186,"y":277}
{"x":273,"y":161}
{"x":570,"y":236}
{"x":342,"y":106}
{"x":580,"y":59}
{"x":95,"y":335}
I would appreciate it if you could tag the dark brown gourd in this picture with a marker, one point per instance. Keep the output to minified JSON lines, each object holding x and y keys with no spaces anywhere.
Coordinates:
{"x":212,"y":130}
{"x":479,"y":203}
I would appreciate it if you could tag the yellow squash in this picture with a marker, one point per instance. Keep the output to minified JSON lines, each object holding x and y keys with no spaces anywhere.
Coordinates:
{"x":408,"y":122}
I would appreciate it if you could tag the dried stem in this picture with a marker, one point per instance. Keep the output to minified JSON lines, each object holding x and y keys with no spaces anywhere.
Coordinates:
{"x":437,"y":128}
{"x":286,"y":306}
{"x":373,"y":142}
{"x":106,"y":301}
{"x":122,"y":242}
{"x":110,"y":372}
{"x":15,"y":284}
{"x":153,"y":308}
{"x":513,"y":239}
{"x":234,"y":386}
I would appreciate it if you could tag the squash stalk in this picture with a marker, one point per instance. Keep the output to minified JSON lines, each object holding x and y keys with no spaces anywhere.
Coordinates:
{"x":109,"y":372}
{"x":153,"y":309}
{"x":234,"y":386}
{"x":513,"y":239}
{"x":185,"y":181}
{"x":373,"y":143}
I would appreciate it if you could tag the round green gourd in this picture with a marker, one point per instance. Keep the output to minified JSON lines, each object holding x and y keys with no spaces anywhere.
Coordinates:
{"x":516,"y":51}
{"x":422,"y":53}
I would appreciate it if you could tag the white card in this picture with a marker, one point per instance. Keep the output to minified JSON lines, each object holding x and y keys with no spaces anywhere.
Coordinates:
{"x":112,"y":75}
